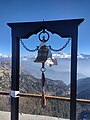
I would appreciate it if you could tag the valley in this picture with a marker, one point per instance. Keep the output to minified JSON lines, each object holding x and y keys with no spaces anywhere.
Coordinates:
{"x":30,"y":82}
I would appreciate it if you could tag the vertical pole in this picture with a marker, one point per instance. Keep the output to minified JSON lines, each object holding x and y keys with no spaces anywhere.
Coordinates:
{"x":15,"y":78}
{"x":73,"y":74}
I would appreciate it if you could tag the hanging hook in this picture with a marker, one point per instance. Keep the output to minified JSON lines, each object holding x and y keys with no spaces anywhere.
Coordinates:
{"x":43,"y":39}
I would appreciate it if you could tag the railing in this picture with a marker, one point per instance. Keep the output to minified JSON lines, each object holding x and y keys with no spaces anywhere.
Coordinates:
{"x":47,"y":97}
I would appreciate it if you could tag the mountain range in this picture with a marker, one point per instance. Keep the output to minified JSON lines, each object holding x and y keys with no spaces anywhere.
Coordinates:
{"x":83,"y":88}
{"x":58,"y":55}
{"x":56,"y":72}
{"x":30,"y":84}
{"x":61,"y":71}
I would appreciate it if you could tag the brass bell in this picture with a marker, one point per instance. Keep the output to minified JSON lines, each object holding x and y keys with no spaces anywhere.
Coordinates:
{"x":42,"y":54}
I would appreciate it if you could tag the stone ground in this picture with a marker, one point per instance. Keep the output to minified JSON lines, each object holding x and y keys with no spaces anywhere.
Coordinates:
{"x":6,"y":116}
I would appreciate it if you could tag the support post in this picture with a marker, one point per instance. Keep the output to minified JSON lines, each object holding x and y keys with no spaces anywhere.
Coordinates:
{"x":15,"y":78}
{"x":73,"y":74}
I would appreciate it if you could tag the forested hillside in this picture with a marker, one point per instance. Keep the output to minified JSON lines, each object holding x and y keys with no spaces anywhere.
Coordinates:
{"x":30,"y":84}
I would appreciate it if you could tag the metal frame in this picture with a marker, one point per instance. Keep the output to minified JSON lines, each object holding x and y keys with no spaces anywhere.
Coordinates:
{"x":64,"y":28}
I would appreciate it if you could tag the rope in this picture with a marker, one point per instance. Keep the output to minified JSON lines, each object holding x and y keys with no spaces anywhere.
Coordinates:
{"x":60,"y":48}
{"x":28,"y":48}
{"x":43,"y":103}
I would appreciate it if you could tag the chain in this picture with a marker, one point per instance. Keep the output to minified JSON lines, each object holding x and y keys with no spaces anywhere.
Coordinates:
{"x":28,"y":48}
{"x":64,"y":46}
{"x":60,"y":48}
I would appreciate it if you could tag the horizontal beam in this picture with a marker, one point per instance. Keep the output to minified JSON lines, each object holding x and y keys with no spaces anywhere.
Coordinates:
{"x":47,"y":97}
{"x":63,"y":28}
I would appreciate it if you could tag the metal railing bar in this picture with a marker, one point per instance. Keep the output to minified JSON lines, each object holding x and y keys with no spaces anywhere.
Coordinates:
{"x":47,"y":97}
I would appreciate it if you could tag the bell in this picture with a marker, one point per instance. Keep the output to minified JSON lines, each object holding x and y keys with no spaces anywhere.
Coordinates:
{"x":42,"y":54}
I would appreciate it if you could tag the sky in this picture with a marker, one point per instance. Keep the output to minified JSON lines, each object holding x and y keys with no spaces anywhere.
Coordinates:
{"x":38,"y":10}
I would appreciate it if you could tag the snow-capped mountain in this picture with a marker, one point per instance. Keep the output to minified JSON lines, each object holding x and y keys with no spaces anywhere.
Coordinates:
{"x":60,"y":55}
{"x":68,"y":55}
{"x":4,"y":57}
{"x":85,"y":56}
